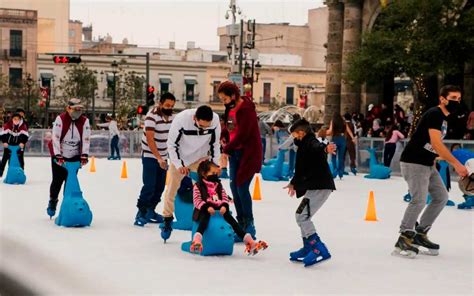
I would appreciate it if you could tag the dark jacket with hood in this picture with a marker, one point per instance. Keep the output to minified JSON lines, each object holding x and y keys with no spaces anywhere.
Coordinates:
{"x":312,"y":170}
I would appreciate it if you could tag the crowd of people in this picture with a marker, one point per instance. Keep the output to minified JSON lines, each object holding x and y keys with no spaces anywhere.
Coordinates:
{"x":199,"y":141}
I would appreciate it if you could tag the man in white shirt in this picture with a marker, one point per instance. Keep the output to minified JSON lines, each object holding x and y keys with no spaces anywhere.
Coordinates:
{"x":114,"y":132}
{"x":194,"y":136}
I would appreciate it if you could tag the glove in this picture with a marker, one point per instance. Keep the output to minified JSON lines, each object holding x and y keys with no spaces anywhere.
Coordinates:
{"x":84,"y":159}
{"x":59,"y":159}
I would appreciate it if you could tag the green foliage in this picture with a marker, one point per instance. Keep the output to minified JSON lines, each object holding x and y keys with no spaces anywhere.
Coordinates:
{"x":419,"y":38}
{"x":79,"y":82}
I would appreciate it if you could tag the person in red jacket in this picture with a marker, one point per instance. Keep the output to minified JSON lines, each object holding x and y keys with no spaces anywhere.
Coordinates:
{"x":70,"y":142}
{"x":244,"y":149}
{"x":15,"y":133}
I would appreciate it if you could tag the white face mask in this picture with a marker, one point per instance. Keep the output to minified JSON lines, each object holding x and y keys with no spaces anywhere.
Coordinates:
{"x":76,"y":114}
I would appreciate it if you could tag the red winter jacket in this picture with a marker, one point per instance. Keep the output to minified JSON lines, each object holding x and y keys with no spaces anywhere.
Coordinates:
{"x":248,"y":138}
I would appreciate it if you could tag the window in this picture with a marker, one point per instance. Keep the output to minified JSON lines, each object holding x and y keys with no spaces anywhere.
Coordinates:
{"x":164,"y":85}
{"x":15,"y":77}
{"x":46,"y":79}
{"x":72,"y":33}
{"x":290,"y":95}
{"x":215,"y":87}
{"x":16,"y":43}
{"x":190,"y":89}
{"x":110,"y":85}
{"x":267,"y":87}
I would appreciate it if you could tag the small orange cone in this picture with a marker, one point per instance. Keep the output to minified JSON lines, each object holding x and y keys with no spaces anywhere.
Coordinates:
{"x":92,"y":169}
{"x":257,"y":195}
{"x":124,"y":170}
{"x":370,"y":215}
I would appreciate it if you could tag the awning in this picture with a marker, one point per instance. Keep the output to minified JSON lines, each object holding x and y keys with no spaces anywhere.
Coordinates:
{"x":165,"y":80}
{"x":190,"y":81}
{"x":46,"y":75}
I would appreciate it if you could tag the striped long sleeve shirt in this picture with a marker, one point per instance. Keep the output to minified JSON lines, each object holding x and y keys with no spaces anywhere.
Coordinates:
{"x":156,"y":121}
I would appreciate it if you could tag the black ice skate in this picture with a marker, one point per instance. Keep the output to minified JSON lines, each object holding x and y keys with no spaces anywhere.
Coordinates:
{"x":421,"y":241}
{"x":404,"y":246}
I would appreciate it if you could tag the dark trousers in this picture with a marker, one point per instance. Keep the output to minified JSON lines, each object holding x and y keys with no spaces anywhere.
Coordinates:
{"x":154,"y":179}
{"x":204,"y":218}
{"x":388,"y":153}
{"x":338,"y":159}
{"x":241,"y":194}
{"x":291,"y":163}
{"x":114,"y":146}
{"x":6,"y":158}
{"x":59,"y":177}
{"x":264,"y":146}
{"x":351,"y":149}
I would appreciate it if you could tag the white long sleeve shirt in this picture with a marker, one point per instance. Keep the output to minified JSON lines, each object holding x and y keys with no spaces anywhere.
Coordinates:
{"x":70,"y":146}
{"x":112,"y":126}
{"x":187,"y":143}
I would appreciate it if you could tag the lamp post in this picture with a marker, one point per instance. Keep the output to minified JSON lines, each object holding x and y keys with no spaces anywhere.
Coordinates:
{"x":250,"y":72}
{"x":114,"y":72}
{"x":29,"y":84}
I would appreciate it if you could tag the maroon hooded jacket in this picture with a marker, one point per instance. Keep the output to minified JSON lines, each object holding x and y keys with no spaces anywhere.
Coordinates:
{"x":247,"y":137}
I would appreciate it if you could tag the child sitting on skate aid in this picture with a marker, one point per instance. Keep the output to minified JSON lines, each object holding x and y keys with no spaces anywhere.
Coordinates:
{"x":210,"y":197}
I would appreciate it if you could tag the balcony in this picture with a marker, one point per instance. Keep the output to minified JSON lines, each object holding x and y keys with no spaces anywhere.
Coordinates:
{"x":13,"y":54}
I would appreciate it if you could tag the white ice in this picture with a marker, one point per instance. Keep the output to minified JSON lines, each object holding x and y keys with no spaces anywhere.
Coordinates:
{"x":113,"y":256}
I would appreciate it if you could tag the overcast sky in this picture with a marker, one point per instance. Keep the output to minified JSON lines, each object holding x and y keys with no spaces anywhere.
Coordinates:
{"x":156,"y":22}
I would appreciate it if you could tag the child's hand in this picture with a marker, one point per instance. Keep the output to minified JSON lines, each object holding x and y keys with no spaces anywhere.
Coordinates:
{"x":223,"y":210}
{"x":291,"y":190}
{"x":211,"y":211}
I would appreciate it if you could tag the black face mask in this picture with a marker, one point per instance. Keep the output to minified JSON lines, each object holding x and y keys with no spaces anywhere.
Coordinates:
{"x":212,"y":178}
{"x":453,"y":107}
{"x":230,"y":105}
{"x":167,"y":112}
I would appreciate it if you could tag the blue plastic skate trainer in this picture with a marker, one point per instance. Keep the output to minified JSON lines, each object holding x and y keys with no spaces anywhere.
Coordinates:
{"x":75,"y":211}
{"x":218,"y":239}
{"x":15,"y":174}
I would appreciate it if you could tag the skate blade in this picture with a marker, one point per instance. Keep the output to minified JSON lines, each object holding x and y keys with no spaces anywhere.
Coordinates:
{"x":317,"y":263}
{"x":426,"y":251}
{"x":404,"y":254}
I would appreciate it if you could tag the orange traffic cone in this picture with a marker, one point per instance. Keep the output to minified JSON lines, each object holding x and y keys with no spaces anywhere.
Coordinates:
{"x":124,"y":170}
{"x":370,"y":215}
{"x":92,"y":169}
{"x":257,"y":195}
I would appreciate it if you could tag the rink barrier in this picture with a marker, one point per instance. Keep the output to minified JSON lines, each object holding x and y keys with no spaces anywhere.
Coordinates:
{"x":130,"y":147}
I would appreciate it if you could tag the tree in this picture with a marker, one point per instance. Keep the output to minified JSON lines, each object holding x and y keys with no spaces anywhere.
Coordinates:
{"x":79,"y":82}
{"x":423,"y":39}
{"x":130,"y":88}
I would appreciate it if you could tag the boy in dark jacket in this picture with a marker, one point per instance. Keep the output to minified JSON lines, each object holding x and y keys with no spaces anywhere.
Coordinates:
{"x":312,"y":180}
{"x":15,"y":133}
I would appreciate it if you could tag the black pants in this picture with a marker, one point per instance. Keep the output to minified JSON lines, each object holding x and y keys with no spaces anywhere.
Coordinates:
{"x":6,"y":158}
{"x":204,"y":218}
{"x":388,"y":153}
{"x":59,"y":177}
{"x":351,"y":149}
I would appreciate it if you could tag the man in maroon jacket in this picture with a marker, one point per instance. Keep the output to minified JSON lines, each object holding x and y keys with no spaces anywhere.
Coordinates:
{"x":15,"y":133}
{"x":244,"y":148}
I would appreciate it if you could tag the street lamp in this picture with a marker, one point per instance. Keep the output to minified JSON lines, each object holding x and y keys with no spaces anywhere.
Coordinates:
{"x":114,"y":72}
{"x":29,"y":85}
{"x":258,"y":69}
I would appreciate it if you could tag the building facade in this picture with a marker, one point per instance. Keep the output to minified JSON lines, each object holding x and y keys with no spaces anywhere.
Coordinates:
{"x":53,"y":22}
{"x":18,"y":33}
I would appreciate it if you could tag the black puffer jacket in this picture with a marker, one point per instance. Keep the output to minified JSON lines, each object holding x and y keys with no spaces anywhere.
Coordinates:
{"x":312,"y":169}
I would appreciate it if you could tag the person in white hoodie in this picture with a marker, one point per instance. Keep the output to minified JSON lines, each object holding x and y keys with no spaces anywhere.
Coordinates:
{"x":70,"y":142}
{"x":114,"y":132}
{"x":193,"y":137}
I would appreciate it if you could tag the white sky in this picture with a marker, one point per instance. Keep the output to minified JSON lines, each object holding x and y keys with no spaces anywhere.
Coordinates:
{"x":156,"y":22}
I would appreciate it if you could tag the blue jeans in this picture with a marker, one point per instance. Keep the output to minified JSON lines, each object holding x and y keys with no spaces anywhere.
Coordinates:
{"x":114,"y":146}
{"x":154,"y":179}
{"x":241,"y":194}
{"x":264,"y":147}
{"x":338,"y":165}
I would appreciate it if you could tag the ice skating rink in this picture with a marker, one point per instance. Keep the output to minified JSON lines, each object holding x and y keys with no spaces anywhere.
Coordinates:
{"x":115,"y":257}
